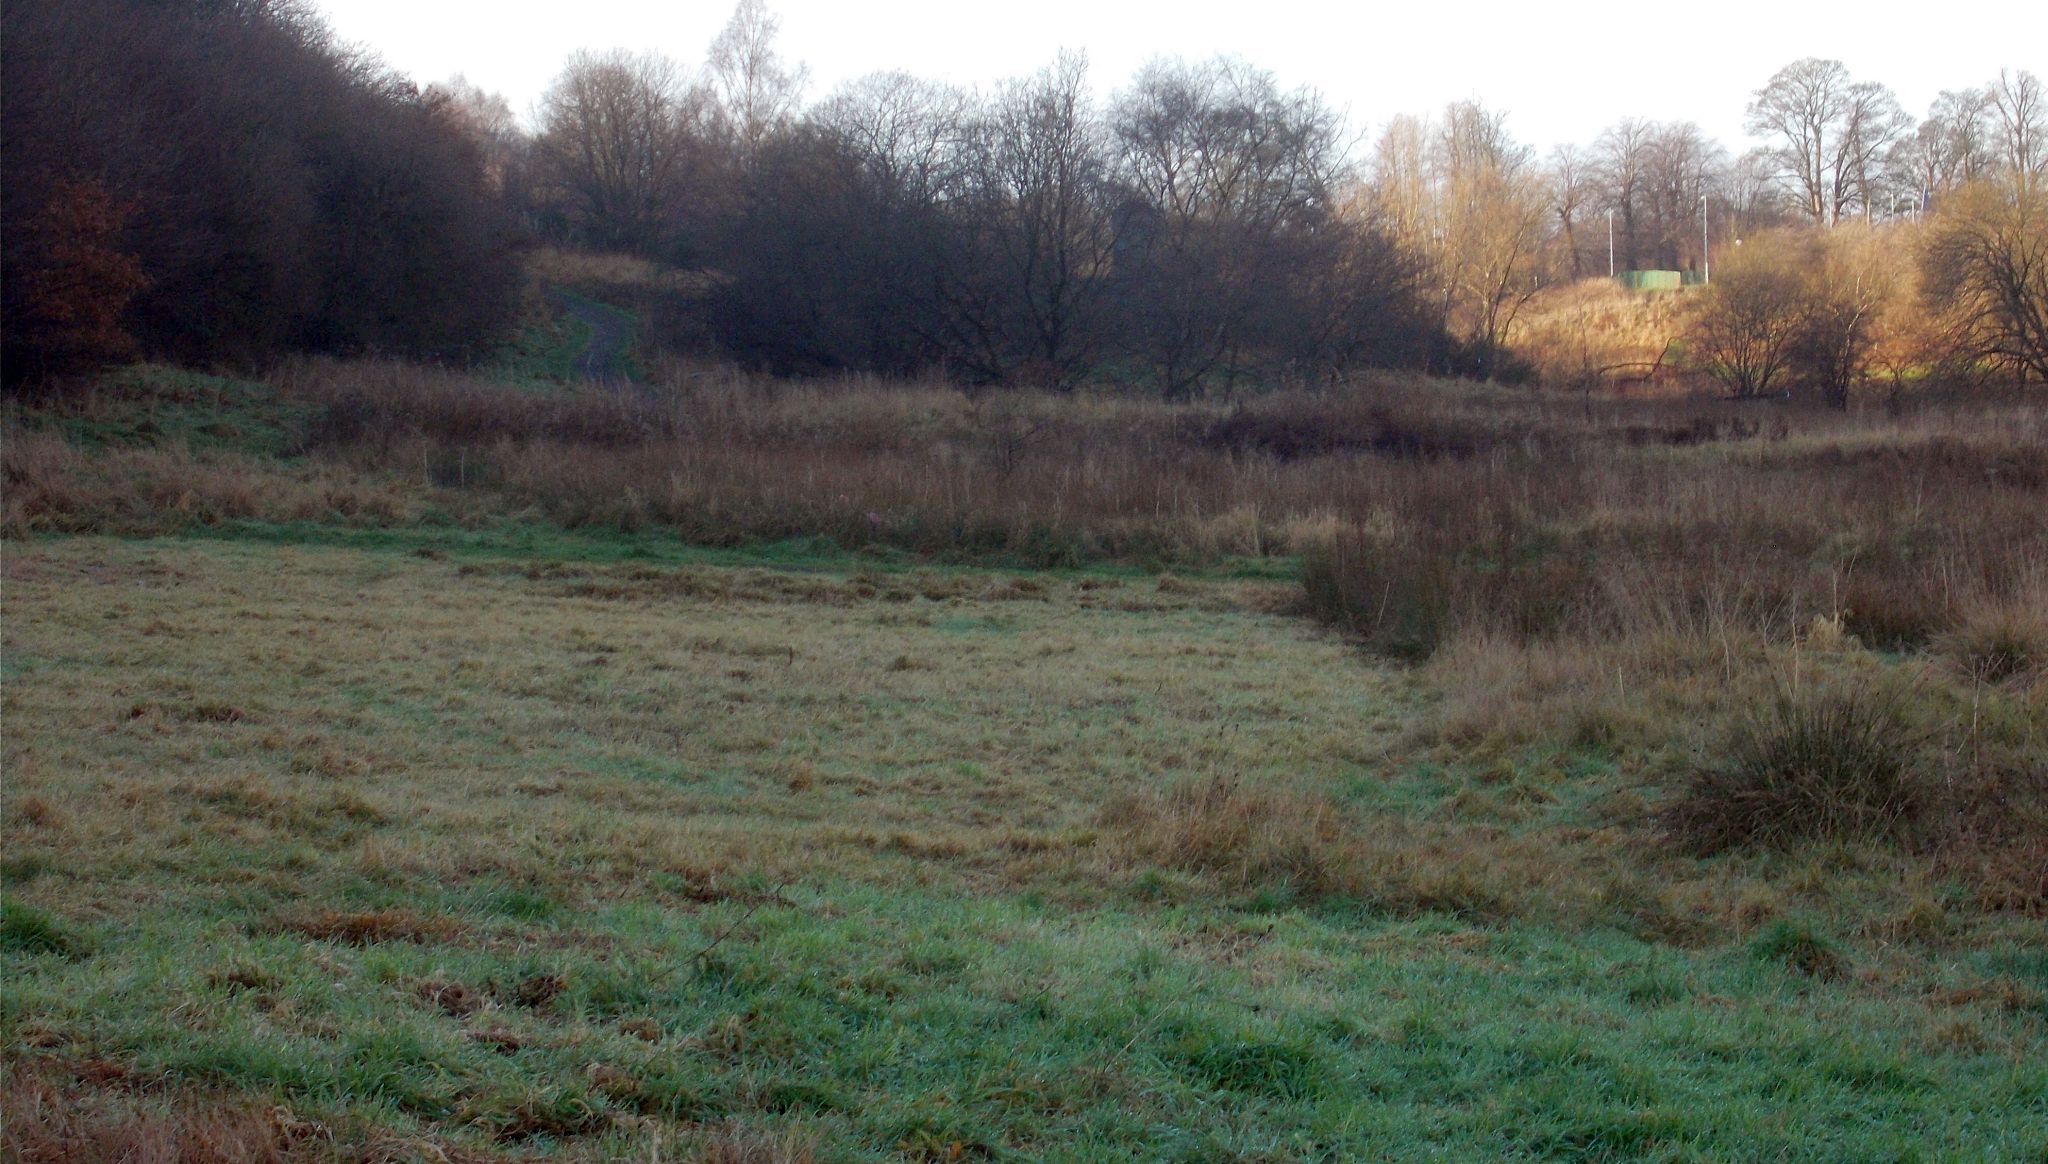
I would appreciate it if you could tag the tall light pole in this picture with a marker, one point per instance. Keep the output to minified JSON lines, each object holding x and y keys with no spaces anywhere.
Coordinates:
{"x":1610,"y":242}
{"x":1706,"y":264}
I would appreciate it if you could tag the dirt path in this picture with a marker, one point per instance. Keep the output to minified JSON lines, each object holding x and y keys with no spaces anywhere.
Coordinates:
{"x":611,"y":333}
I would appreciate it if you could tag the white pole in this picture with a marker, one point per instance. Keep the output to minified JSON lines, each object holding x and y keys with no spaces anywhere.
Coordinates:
{"x":1706,"y":264}
{"x":1610,"y":244}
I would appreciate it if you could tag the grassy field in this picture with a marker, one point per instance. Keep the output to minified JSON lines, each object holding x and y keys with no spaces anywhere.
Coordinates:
{"x":358,"y":810}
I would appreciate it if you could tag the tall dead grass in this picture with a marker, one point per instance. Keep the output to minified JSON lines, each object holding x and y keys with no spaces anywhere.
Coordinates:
{"x":1273,"y":837}
{"x":1424,"y":510}
{"x":52,"y":486}
{"x":1893,"y":539}
{"x":1595,"y":332}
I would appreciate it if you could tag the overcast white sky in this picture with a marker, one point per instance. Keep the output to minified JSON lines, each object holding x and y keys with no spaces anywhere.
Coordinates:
{"x":1562,"y":71}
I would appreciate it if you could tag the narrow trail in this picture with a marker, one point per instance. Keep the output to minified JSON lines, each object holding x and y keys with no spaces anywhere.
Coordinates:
{"x":611,"y":331}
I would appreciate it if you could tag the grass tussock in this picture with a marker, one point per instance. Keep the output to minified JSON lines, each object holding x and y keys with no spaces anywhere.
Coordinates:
{"x":1999,"y":644}
{"x":96,"y":1111}
{"x":91,"y":1111}
{"x":1247,"y":834}
{"x":371,"y":926}
{"x":1282,"y":843}
{"x":1827,"y":764}
{"x":28,"y":930}
{"x":735,"y":1143}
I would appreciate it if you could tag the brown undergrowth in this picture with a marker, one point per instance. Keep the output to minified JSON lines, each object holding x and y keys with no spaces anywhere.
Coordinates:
{"x":93,"y":1111}
{"x":718,"y":457}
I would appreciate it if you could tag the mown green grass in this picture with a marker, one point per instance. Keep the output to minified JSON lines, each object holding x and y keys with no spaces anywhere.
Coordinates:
{"x":524,"y":851}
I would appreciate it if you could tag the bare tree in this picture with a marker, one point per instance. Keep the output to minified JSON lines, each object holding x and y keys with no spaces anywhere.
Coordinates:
{"x":1358,"y":298}
{"x":1800,"y":309}
{"x":842,"y":233}
{"x":1493,"y":214}
{"x":1403,"y":200}
{"x":2021,"y":108}
{"x":758,"y":92}
{"x":1226,"y":178}
{"x":1751,"y":319}
{"x":1985,"y":271}
{"x":1830,"y":133}
{"x":619,"y":133}
{"x":1755,"y":197}
{"x":1571,"y":189}
{"x":1620,"y":157}
{"x":1848,"y":279}
{"x":1023,"y":286}
{"x":1679,"y":171}
{"x":1951,"y":147}
{"x":906,"y":132}
{"x":487,"y":120}
{"x":1463,"y":195}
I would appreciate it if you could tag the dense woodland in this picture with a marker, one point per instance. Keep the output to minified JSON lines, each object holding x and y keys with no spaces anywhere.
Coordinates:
{"x":218,"y":181}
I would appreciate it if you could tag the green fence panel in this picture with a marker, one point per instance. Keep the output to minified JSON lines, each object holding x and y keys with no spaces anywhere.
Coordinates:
{"x":1651,"y":280}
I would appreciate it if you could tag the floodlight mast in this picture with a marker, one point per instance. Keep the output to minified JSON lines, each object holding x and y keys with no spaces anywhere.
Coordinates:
{"x":1706,"y":264}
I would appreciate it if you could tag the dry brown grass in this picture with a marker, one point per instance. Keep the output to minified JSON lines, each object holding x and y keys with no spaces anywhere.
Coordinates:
{"x":1669,"y":488}
{"x":1756,"y":536}
{"x":1248,"y":834}
{"x":1591,"y":574}
{"x":735,"y":1143}
{"x":92,"y":1111}
{"x":1999,"y":643}
{"x":57,"y":487}
{"x":1597,"y":333}
{"x":1271,"y":837}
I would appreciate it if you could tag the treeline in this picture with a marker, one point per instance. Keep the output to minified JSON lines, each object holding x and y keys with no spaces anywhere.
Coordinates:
{"x":1202,"y":227}
{"x":218,"y":181}
{"x":215,"y":180}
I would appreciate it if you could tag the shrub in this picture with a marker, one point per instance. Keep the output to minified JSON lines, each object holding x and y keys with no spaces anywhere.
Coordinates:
{"x":1826,"y":764}
{"x":65,"y":311}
